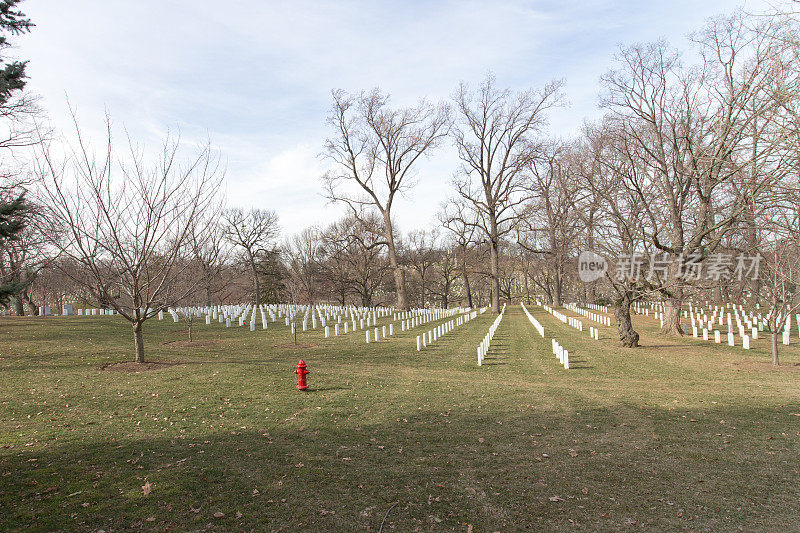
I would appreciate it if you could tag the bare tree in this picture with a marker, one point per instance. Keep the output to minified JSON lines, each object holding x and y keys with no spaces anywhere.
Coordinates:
{"x":128,"y":221}
{"x":691,"y":136}
{"x":446,"y":270}
{"x":207,"y":242}
{"x":461,"y":222}
{"x":253,"y":231}
{"x":374,"y":151}
{"x":780,"y":278}
{"x":303,"y":254}
{"x":335,"y":250}
{"x":495,"y":134}
{"x":352,"y":262}
{"x":618,"y":214}
{"x":551,"y":215}
{"x":421,"y":254}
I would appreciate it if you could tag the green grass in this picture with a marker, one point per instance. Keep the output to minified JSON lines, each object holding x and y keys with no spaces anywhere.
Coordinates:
{"x":680,"y":434}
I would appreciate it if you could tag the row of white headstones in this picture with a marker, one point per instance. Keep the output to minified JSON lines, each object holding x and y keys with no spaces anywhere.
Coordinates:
{"x":411,"y":321}
{"x":594,"y":333}
{"x":576,"y":322}
{"x":93,"y":312}
{"x":532,"y":319}
{"x":597,"y":317}
{"x":290,"y":314}
{"x":703,"y":321}
{"x":426,"y":339}
{"x":343,"y":319}
{"x":483,"y":347}
{"x":69,"y":310}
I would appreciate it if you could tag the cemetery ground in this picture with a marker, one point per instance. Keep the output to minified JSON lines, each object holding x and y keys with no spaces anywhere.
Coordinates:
{"x":679,"y":434}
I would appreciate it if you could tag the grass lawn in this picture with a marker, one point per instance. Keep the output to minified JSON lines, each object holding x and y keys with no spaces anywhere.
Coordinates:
{"x":679,"y":434}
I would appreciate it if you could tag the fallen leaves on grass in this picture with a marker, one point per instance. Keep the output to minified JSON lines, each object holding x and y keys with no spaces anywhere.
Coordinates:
{"x":147,"y":488}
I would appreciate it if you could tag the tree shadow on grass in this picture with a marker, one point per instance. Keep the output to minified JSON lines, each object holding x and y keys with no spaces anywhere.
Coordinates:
{"x":314,"y":471}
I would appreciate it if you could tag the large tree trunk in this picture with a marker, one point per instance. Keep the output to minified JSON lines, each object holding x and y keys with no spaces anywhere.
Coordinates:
{"x":557,"y":300}
{"x":527,"y":284}
{"x":774,"y":346}
{"x":672,"y":315}
{"x":208,"y":294}
{"x":627,"y":335}
{"x":256,"y":283}
{"x":138,"y":342}
{"x":494,"y":258}
{"x":465,"y":275}
{"x":399,"y":274}
{"x":19,"y":305}
{"x":257,"y":286}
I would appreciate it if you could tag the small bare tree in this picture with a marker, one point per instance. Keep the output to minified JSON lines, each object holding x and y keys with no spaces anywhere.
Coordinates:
{"x":127,"y":221}
{"x":780,"y":286}
{"x":374,"y":151}
{"x":188,"y":315}
{"x":253,"y":231}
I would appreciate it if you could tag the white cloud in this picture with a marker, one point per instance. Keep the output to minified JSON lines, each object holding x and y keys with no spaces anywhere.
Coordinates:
{"x":287,"y":182}
{"x":256,"y":76}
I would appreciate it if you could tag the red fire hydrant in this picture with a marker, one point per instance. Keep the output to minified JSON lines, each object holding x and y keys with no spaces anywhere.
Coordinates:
{"x":301,"y":372}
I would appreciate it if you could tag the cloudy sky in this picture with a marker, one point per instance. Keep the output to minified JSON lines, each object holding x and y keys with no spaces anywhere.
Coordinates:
{"x":255,"y":76}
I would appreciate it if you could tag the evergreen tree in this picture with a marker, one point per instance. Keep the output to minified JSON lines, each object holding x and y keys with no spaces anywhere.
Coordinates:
{"x":12,"y":222}
{"x":12,"y":73}
{"x":272,"y":274}
{"x":13,"y":211}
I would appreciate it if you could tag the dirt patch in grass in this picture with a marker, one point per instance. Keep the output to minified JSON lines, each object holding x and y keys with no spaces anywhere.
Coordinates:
{"x":130,"y":366}
{"x":291,"y":345}
{"x":193,"y":344}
